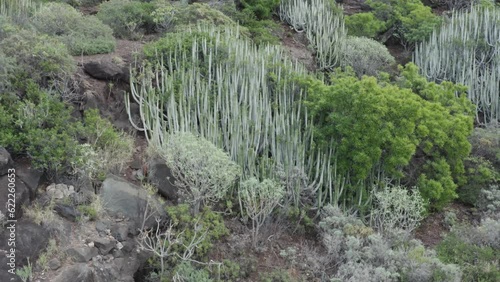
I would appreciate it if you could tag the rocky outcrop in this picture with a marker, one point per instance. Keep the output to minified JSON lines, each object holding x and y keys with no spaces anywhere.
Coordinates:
{"x":30,"y":240}
{"x":161,"y":177}
{"x":106,"y":70}
{"x":119,"y":197}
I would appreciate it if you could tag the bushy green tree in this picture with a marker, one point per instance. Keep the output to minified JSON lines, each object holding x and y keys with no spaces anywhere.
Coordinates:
{"x":364,"y":24}
{"x":418,"y":128}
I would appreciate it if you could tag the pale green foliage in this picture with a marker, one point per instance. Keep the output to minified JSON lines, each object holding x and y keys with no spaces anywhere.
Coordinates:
{"x":107,"y":150}
{"x":397,"y":208}
{"x":18,"y":10}
{"x":82,"y":35}
{"x":362,"y":255}
{"x":466,"y":50}
{"x":26,"y":272}
{"x":323,"y":23}
{"x":204,"y":171}
{"x":259,"y":200}
{"x":366,"y":56}
{"x":186,"y":272}
{"x":489,"y":201}
{"x":39,"y":57}
{"x":128,"y":19}
{"x":198,"y":14}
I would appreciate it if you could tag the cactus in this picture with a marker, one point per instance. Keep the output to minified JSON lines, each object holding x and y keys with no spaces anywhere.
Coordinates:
{"x":466,"y":50}
{"x":324,"y":27}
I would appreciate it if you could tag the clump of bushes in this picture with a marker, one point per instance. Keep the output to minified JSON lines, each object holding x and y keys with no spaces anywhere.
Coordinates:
{"x":106,"y":150}
{"x":40,"y":126}
{"x":261,"y":30}
{"x":366,"y":56}
{"x":405,"y":128}
{"x":475,"y":250}
{"x":38,"y":57}
{"x":128,"y":19}
{"x":410,"y":21}
{"x":480,"y":174}
{"x":364,"y":24}
{"x":362,"y":255}
{"x":82,"y":35}
{"x":486,"y":143}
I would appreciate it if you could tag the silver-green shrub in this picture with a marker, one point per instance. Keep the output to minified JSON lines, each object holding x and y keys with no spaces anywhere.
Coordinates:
{"x":396,"y":208}
{"x":489,"y":201}
{"x":466,"y":50}
{"x":362,"y":255}
{"x":82,"y":35}
{"x":258,"y":199}
{"x":366,"y":56}
{"x":204,"y":172}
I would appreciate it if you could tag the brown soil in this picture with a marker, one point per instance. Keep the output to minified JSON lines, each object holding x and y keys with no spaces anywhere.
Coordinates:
{"x":296,"y":44}
{"x":433,"y":228}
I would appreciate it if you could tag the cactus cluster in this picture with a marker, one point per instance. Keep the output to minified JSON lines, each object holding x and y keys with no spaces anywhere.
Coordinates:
{"x":466,"y":50}
{"x":247,"y":104}
{"x":324,"y":26}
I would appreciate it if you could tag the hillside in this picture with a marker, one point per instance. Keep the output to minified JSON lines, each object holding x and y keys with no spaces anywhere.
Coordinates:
{"x":250,"y":140}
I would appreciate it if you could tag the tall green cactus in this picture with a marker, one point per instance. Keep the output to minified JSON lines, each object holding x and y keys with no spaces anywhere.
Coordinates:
{"x":466,"y":50}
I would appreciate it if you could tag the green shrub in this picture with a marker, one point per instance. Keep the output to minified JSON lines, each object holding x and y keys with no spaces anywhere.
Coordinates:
{"x":478,"y":263}
{"x":88,"y":211}
{"x":7,"y":68}
{"x":261,"y":9}
{"x":208,"y":220}
{"x":411,"y":20}
{"x":82,"y":35}
{"x":261,"y":31}
{"x":486,"y":144}
{"x":367,"y":56}
{"x":128,"y":19}
{"x":40,"y":58}
{"x":41,"y":127}
{"x":364,"y":24}
{"x":106,"y":151}
{"x":419,"y":126}
{"x":480,"y":174}
{"x":199,"y":13}
{"x":186,"y":272}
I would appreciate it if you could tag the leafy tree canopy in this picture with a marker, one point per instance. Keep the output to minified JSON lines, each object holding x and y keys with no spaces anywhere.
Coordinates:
{"x":413,"y":130}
